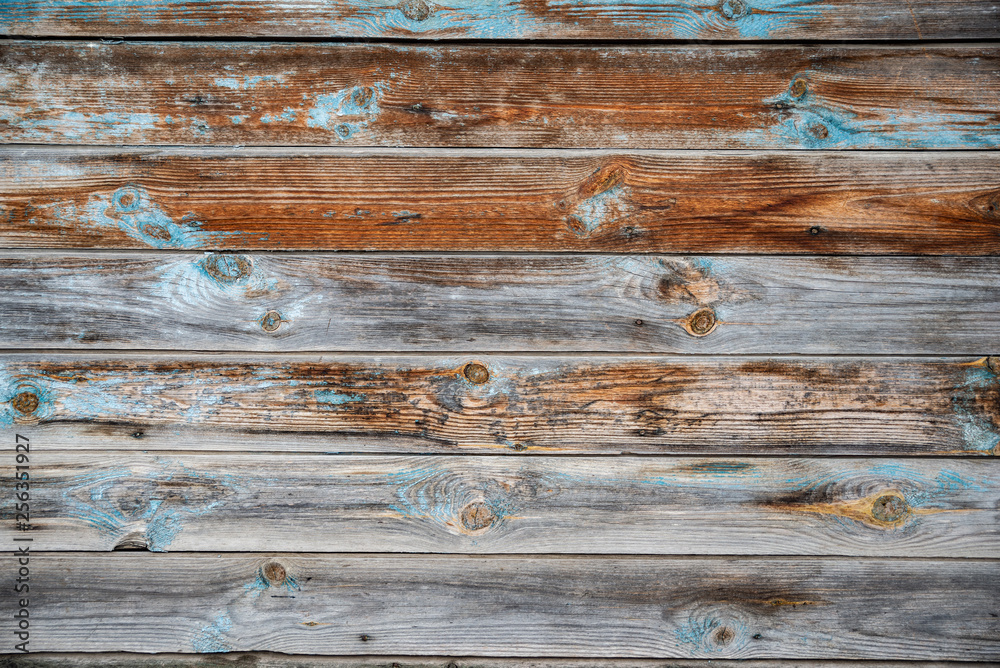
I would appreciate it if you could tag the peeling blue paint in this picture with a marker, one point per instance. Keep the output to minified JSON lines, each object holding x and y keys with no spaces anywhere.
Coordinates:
{"x":978,"y":430}
{"x":288,"y":115}
{"x":704,"y":19}
{"x":248,"y":82}
{"x":77,"y":127}
{"x":348,"y":110}
{"x":809,"y":121}
{"x":604,"y":207}
{"x":334,"y":398}
{"x":212,"y":637}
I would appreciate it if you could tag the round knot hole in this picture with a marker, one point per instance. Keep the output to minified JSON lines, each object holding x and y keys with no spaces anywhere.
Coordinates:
{"x":274,"y":572}
{"x":271,"y":321}
{"x":415,"y":10}
{"x":701,"y":322}
{"x":476,"y":516}
{"x":227,"y":268}
{"x":889,"y":508}
{"x":25,"y":402}
{"x":799,"y":88}
{"x":476,"y":373}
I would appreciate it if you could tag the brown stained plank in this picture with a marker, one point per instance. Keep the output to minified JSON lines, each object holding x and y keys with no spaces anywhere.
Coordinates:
{"x":708,"y":97}
{"x":399,"y":200}
{"x":530,"y":505}
{"x":510,"y":19}
{"x":758,"y":305}
{"x":515,"y":606}
{"x":570,"y":405}
{"x":270,"y":660}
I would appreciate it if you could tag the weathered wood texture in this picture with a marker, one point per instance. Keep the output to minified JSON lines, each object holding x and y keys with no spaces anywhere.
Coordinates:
{"x":515,"y":606}
{"x":569,"y":405}
{"x":509,"y":19}
{"x":460,"y":200}
{"x":529,"y":505}
{"x":622,"y":97}
{"x":185,"y":301}
{"x":271,"y":660}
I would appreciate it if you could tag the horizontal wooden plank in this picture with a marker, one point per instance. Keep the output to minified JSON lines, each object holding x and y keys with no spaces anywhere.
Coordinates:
{"x":393,"y":95}
{"x":529,"y":505}
{"x":514,"y":606}
{"x":572,"y":405}
{"x":768,"y":305}
{"x":272,"y":660}
{"x":498,"y":200}
{"x":509,"y":19}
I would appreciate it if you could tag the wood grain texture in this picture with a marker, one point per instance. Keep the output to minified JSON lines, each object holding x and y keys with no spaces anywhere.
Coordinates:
{"x":515,"y":606}
{"x":768,"y":305}
{"x":497,"y":200}
{"x":509,"y":19}
{"x":707,"y":97}
{"x":566,"y":405}
{"x":529,"y":505}
{"x":272,"y":660}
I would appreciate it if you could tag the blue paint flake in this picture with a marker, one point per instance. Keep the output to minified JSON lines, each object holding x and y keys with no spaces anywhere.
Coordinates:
{"x":212,"y":637}
{"x":334,"y":398}
{"x":248,"y":82}
{"x":346,"y":111}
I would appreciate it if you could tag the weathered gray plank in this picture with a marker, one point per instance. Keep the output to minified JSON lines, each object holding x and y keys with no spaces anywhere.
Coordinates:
{"x":534,"y":505}
{"x":346,"y":302}
{"x":707,"y":97}
{"x":508,"y":19}
{"x":270,"y":660}
{"x":499,"y":200}
{"x":504,"y":404}
{"x":515,"y":606}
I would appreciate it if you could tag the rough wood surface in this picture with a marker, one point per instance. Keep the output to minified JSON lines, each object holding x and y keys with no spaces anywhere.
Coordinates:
{"x":496,"y":200}
{"x":708,"y":97}
{"x":529,"y":505}
{"x":271,"y":660}
{"x":509,"y":19}
{"x":515,"y":606}
{"x":568,"y":405}
{"x":768,"y":305}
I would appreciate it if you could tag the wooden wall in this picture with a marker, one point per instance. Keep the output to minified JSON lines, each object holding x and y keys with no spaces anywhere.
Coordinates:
{"x":500,"y":333}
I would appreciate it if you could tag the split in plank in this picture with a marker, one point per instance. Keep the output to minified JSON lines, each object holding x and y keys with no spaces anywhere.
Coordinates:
{"x":535,"y":505}
{"x":509,"y":19}
{"x":707,"y":97}
{"x":506,"y":405}
{"x":514,"y":606}
{"x":343,"y":302}
{"x":499,"y":200}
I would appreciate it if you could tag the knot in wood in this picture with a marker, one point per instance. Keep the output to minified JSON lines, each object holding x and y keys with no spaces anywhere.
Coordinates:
{"x":271,"y":321}
{"x":25,"y":402}
{"x":476,"y":373}
{"x":799,"y":88}
{"x":889,"y":508}
{"x":819,"y":131}
{"x":415,"y":10}
{"x":701,"y":322}
{"x":723,"y":635}
{"x":733,"y":9}
{"x":476,"y":516}
{"x":274,"y":572}
{"x":227,"y":268}
{"x":126,"y":200}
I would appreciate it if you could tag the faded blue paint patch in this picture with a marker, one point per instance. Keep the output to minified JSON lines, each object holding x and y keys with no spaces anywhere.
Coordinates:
{"x":248,"y":82}
{"x":132,"y":210}
{"x":212,"y":637}
{"x":288,"y":115}
{"x":809,"y":121}
{"x":334,"y":398}
{"x":182,"y":12}
{"x":120,"y":500}
{"x":348,"y":110}
{"x":704,"y":19}
{"x":606,"y":207}
{"x":77,"y":127}
{"x":978,"y":430}
{"x":708,"y":631}
{"x":487,"y":19}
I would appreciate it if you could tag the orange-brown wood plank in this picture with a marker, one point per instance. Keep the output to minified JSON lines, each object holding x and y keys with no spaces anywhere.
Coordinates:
{"x":709,"y":97}
{"x":505,"y":405}
{"x":502,"y":200}
{"x":509,"y":19}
